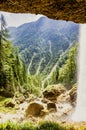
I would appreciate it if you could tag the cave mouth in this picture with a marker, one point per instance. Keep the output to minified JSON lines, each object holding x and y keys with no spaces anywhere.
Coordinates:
{"x":69,"y":10}
{"x":24,"y":19}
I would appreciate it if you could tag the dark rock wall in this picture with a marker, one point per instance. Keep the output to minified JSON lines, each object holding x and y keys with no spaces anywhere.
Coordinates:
{"x":70,"y":10}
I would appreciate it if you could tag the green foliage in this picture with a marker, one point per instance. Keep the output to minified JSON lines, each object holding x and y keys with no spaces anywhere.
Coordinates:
{"x":50,"y":126}
{"x":54,"y":76}
{"x":27,"y":126}
{"x":55,"y":88}
{"x":34,"y":84}
{"x":12,"y":70}
{"x":13,"y":126}
{"x":67,"y":73}
{"x":46,"y":41}
{"x":4,"y":109}
{"x":45,"y":125}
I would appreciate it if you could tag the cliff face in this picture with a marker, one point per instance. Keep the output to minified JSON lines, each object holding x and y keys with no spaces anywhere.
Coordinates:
{"x":70,"y":10}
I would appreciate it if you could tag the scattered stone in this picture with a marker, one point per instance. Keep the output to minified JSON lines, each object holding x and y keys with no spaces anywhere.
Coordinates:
{"x":21,"y":99}
{"x":60,"y":107}
{"x":44,"y":100}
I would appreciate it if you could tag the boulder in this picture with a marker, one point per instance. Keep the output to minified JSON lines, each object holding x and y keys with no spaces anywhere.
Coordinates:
{"x":34,"y":108}
{"x":51,"y":106}
{"x":10,"y":104}
{"x":53,"y":91}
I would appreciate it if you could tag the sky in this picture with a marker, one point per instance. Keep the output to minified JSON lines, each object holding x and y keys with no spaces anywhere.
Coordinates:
{"x":13,"y":19}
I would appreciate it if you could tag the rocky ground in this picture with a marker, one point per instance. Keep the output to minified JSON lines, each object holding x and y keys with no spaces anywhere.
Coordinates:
{"x":56,"y":104}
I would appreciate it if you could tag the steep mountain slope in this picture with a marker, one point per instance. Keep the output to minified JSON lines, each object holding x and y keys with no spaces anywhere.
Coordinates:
{"x":43,"y":41}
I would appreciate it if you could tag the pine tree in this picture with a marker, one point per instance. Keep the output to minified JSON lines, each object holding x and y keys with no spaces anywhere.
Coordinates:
{"x":67,"y":74}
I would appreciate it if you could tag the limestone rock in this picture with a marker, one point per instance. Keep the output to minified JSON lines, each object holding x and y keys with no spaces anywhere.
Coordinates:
{"x":73,"y":94}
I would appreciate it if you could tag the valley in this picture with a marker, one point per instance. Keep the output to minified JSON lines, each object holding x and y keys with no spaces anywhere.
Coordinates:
{"x":38,"y":70}
{"x":46,"y":39}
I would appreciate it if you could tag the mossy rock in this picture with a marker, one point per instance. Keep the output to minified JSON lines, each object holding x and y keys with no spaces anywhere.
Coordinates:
{"x":9,"y":103}
{"x":53,"y":91}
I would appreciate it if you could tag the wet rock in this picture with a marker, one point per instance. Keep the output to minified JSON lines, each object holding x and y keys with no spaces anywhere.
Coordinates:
{"x":34,"y":109}
{"x":73,"y":94}
{"x":51,"y":106}
{"x":64,"y":97}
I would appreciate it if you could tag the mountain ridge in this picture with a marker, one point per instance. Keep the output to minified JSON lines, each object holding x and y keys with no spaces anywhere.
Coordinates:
{"x":43,"y":38}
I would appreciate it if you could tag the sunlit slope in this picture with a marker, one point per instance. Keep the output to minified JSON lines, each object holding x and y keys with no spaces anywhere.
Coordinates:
{"x":43,"y":41}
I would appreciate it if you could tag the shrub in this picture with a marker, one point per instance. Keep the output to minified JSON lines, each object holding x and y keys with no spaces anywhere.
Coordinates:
{"x":50,"y":126}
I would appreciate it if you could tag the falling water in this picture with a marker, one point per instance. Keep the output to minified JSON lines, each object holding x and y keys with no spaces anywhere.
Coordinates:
{"x":80,"y":112}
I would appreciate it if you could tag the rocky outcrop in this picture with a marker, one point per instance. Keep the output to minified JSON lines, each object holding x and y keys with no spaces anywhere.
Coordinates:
{"x":73,"y":94}
{"x":69,"y":10}
{"x":53,"y":91}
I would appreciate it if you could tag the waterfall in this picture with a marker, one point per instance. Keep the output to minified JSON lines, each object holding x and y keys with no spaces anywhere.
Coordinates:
{"x":80,"y":111}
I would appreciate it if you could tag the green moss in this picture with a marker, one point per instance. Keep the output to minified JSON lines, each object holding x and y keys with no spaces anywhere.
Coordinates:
{"x":50,"y":126}
{"x":3,"y":101}
{"x":58,"y":87}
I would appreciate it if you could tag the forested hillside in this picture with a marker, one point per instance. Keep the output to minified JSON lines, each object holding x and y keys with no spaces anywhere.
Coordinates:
{"x":13,"y":73}
{"x":42,"y":42}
